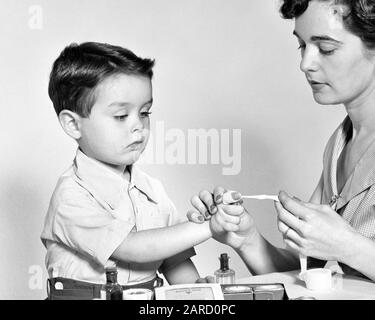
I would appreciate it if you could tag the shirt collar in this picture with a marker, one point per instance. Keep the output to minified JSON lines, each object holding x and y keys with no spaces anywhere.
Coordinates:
{"x":107,"y":184}
{"x":363,"y":175}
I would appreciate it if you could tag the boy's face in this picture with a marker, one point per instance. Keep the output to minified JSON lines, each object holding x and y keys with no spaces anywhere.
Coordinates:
{"x":118,"y":127}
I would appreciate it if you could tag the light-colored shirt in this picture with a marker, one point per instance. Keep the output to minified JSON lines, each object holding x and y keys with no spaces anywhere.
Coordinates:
{"x":356,"y":201}
{"x":91,"y":212}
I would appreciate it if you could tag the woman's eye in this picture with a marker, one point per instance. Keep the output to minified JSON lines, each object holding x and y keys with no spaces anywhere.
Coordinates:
{"x":326,"y":48}
{"x":326,"y":52}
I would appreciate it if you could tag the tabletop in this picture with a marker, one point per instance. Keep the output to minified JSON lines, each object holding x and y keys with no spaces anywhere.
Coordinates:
{"x":343,"y":287}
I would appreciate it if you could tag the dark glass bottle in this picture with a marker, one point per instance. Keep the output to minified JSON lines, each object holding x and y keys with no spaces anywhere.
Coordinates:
{"x":112,"y":288}
{"x":224,"y":275}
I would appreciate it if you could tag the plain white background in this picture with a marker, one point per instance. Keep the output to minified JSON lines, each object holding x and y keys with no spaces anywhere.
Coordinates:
{"x":219,"y":64}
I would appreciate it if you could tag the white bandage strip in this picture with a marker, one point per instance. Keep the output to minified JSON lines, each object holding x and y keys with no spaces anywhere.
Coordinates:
{"x":303,"y":263}
{"x":227,"y":197}
{"x":262,"y":197}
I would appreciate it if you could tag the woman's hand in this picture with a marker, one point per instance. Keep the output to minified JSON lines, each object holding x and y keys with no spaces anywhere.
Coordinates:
{"x":230,"y":223}
{"x":313,"y":230}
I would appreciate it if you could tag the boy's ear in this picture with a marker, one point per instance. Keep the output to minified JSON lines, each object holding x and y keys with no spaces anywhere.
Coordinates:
{"x":70,"y":122}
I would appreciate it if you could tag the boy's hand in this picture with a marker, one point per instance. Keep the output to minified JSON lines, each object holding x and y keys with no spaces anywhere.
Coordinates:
{"x":207,"y":279}
{"x":230,"y":223}
{"x":204,"y":205}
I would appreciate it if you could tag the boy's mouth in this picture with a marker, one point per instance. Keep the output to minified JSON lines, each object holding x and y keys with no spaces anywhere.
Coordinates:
{"x":135,"y":144}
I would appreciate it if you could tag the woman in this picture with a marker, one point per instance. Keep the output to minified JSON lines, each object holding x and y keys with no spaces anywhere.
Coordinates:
{"x":337,"y":43}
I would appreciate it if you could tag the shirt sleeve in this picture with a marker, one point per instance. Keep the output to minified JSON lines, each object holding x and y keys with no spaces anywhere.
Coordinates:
{"x":174,"y":218}
{"x":82,"y":224}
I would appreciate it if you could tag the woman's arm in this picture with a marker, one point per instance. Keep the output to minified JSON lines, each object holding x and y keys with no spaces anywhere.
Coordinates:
{"x":261,"y":256}
{"x":236,"y":228}
{"x":360,"y":255}
{"x":160,"y":243}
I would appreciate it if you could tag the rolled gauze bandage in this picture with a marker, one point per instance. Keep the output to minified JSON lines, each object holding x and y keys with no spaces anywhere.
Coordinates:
{"x":317,"y":279}
{"x":137,"y":294}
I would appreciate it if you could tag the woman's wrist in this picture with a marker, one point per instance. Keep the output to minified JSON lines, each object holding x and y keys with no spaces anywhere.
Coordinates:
{"x":249,"y":243}
{"x":353,"y":252}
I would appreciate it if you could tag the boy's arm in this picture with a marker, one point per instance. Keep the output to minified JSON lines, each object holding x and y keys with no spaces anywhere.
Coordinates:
{"x":160,"y":243}
{"x":184,"y":272}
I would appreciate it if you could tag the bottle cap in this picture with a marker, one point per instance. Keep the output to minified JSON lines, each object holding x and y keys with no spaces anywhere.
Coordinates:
{"x":224,"y":256}
{"x":224,"y":261}
{"x":110,"y":269}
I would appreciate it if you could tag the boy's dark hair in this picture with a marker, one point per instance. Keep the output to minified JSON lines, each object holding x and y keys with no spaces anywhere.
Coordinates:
{"x":81,"y":67}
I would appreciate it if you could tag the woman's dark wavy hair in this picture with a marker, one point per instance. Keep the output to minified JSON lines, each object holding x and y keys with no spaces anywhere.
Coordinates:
{"x":359,"y":18}
{"x":81,"y":67}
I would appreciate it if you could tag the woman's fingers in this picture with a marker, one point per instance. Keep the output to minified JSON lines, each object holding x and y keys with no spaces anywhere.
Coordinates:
{"x":295,"y":206}
{"x":225,"y":224}
{"x":231,"y":218}
{"x":288,"y":218}
{"x":290,"y":243}
{"x":218,"y":194}
{"x":292,"y":235}
{"x":232,"y":209}
{"x":283,"y":228}
{"x":287,"y":230}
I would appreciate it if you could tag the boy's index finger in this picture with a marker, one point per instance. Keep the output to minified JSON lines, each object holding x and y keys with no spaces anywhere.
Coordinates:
{"x":206,"y":197}
{"x":293,"y":205}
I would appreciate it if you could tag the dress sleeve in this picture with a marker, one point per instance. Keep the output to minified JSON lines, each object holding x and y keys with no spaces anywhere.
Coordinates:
{"x":82,"y":224}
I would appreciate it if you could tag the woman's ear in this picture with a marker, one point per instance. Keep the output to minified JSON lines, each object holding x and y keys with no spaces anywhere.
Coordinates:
{"x":70,"y":122}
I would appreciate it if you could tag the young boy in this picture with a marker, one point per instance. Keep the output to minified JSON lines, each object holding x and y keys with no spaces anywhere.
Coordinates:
{"x":105,"y":211}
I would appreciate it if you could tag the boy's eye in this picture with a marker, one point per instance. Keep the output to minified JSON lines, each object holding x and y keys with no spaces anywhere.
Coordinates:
{"x":146,"y":114}
{"x":301,"y":46}
{"x":121,"y":118}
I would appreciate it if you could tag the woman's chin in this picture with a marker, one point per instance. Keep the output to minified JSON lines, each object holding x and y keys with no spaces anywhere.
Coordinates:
{"x":324,"y":100}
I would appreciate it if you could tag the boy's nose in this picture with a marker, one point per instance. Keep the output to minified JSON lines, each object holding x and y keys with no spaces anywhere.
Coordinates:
{"x":137,"y":125}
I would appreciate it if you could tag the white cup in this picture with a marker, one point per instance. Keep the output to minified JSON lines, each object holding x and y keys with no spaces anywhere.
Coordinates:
{"x":317,"y":279}
{"x":137,"y":294}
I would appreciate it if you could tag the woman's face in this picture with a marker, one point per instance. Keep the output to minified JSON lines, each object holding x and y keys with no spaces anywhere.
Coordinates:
{"x":334,"y":60}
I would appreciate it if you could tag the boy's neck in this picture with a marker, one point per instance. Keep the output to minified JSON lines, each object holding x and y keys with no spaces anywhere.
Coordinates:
{"x":123,"y":171}
{"x":127,"y":174}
